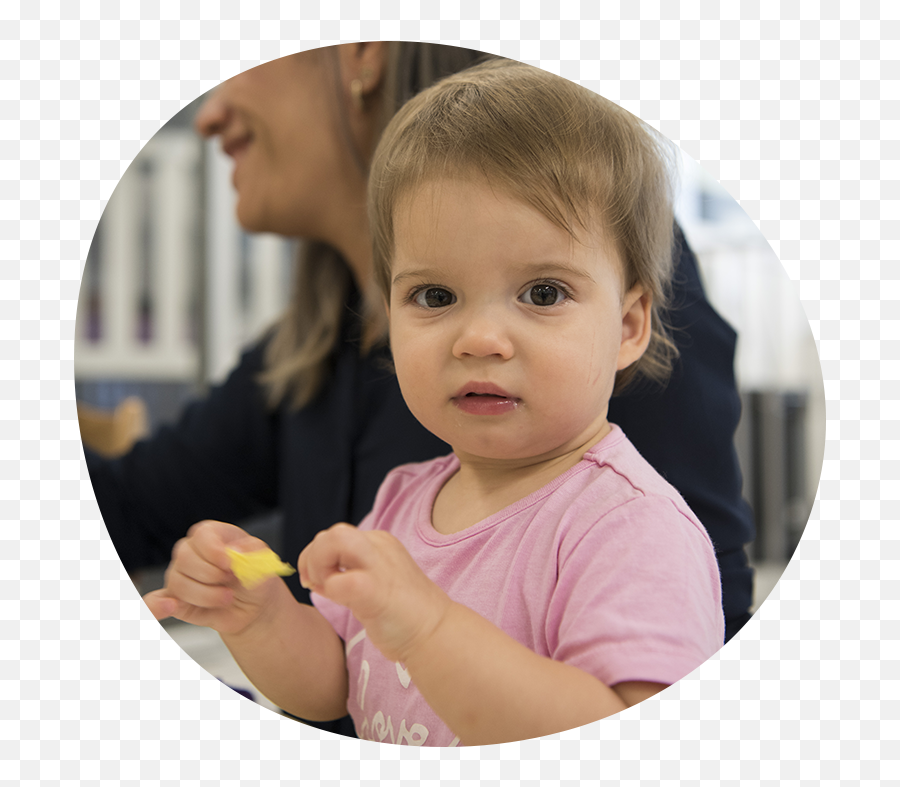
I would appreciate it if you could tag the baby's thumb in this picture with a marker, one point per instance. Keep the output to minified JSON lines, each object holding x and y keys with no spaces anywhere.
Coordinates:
{"x":161,"y":605}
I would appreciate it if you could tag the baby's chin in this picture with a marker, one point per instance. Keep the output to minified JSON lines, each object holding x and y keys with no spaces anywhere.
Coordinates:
{"x":510,"y":454}
{"x":537,"y":450}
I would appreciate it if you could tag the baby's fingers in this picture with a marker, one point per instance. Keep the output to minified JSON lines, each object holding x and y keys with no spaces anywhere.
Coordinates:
{"x":190,"y":589}
{"x":190,"y":562}
{"x":356,"y":589}
{"x":211,"y":541}
{"x":338,"y":549}
{"x":162,"y":605}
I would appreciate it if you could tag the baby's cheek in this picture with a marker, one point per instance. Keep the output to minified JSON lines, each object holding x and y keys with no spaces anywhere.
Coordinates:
{"x":414,"y":361}
{"x":598,"y":359}
{"x":406,"y":377}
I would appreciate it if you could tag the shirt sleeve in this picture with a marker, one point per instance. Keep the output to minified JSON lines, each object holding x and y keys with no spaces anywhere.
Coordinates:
{"x":686,"y":429}
{"x":638,"y":596}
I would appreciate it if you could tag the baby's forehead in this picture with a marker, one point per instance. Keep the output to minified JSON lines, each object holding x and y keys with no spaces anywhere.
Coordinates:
{"x":446,"y":222}
{"x":582,"y":219}
{"x":580,"y":225}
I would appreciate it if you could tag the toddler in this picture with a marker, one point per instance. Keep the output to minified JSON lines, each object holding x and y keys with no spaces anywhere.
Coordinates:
{"x":543,"y":575}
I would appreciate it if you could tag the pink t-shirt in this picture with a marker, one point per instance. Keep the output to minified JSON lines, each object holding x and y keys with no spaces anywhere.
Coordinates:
{"x":605,"y":568}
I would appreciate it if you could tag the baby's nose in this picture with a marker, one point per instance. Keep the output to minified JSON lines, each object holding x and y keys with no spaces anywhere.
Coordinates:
{"x":484,"y":335}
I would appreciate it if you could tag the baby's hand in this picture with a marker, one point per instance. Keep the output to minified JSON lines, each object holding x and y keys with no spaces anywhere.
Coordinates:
{"x":200,"y":586}
{"x":371,"y":573}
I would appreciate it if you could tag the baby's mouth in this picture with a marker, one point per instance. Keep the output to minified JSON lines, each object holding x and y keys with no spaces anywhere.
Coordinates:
{"x":485,"y":399}
{"x":486,"y":390}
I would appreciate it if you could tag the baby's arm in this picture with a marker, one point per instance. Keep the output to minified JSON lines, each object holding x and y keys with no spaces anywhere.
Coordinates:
{"x":486,"y":686}
{"x":489,"y":688}
{"x":295,"y":658}
{"x":287,"y":649}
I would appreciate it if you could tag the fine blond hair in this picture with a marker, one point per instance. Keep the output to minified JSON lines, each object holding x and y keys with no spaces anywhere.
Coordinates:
{"x":577,"y":158}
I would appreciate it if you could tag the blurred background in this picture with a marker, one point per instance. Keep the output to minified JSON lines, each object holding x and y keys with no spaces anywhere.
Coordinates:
{"x":173,"y":290}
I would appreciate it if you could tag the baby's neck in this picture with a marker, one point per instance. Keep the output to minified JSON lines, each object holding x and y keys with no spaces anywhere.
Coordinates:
{"x":483,"y":487}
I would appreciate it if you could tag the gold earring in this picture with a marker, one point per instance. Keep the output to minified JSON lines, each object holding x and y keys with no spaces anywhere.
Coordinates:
{"x":358,"y":89}
{"x":356,"y":93}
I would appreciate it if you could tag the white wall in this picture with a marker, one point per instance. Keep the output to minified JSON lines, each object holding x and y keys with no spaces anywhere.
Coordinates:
{"x":169,"y":235}
{"x":749,"y":287}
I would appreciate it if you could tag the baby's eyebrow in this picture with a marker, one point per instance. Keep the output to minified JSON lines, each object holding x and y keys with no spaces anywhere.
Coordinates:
{"x":529,"y":269}
{"x":543,"y":269}
{"x":420,"y":274}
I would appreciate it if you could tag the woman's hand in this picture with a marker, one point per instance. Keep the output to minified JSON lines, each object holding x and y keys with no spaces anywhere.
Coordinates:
{"x":371,"y":573}
{"x":200,"y":587}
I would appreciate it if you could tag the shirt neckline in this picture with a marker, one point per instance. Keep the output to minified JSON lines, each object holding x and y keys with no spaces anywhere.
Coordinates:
{"x":426,"y":530}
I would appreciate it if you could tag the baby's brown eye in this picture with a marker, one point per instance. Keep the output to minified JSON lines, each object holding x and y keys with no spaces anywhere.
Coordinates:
{"x":434,"y":298}
{"x":543,"y":295}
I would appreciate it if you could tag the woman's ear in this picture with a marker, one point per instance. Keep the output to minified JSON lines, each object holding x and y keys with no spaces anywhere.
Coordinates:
{"x":363,"y":66}
{"x":636,"y":326}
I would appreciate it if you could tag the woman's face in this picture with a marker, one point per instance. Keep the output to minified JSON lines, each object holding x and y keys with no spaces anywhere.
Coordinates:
{"x":279,"y":124}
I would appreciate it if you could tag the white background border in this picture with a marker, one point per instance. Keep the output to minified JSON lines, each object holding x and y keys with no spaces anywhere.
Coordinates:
{"x":787,"y":104}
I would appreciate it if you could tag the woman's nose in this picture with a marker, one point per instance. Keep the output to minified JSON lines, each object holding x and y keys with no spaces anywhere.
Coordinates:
{"x":483,"y":335}
{"x":212,"y":115}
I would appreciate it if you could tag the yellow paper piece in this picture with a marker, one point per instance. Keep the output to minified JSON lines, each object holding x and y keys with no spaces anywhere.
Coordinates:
{"x":254,"y":568}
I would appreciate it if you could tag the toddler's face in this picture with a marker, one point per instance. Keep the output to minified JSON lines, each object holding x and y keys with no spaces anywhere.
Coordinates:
{"x":506,"y":332}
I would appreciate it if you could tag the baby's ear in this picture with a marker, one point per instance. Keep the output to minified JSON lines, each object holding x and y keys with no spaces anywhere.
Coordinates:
{"x":636,"y":326}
